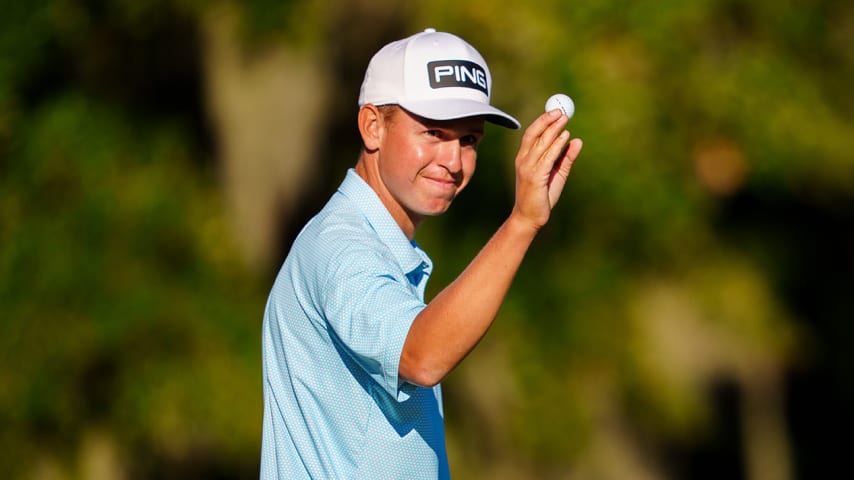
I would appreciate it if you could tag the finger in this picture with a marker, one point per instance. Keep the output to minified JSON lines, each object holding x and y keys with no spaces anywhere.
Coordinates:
{"x":535,"y":131}
{"x":570,"y":153}
{"x":560,"y":173}
{"x":574,"y":149}
{"x":549,"y":144}
{"x":553,"y":154}
{"x":555,"y":150}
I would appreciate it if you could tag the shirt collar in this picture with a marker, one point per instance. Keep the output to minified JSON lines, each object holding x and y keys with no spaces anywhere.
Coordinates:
{"x":407,"y":253}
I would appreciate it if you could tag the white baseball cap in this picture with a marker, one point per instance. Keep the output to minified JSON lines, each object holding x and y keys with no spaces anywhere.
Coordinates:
{"x":434,"y":75}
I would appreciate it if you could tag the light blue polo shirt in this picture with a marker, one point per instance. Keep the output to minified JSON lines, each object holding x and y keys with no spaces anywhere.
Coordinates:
{"x":334,"y":327}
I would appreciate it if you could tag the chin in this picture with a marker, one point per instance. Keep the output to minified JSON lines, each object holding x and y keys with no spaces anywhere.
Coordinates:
{"x":438,"y":211}
{"x":431,"y":207}
{"x":434,"y":211}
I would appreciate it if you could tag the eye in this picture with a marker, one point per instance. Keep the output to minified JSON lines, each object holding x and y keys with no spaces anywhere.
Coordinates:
{"x":469,"y":141}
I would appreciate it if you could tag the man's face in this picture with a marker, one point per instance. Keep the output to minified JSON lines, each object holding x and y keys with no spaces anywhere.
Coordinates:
{"x":425,"y":163}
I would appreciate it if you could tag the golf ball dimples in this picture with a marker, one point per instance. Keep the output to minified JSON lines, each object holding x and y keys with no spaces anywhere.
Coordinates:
{"x":561,"y":101}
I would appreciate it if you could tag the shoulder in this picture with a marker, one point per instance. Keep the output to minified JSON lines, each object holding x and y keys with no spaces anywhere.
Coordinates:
{"x":339,"y":233}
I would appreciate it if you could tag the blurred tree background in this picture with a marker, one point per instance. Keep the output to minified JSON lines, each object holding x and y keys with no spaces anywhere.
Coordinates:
{"x":687,"y":314}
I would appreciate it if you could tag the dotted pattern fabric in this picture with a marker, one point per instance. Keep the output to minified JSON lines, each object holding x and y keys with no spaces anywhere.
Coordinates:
{"x":334,"y":327}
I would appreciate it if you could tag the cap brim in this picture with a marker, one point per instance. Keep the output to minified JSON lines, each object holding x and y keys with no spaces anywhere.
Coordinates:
{"x":460,"y":108}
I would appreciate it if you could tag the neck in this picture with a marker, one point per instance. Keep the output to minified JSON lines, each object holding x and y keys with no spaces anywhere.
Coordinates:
{"x":366,"y":167}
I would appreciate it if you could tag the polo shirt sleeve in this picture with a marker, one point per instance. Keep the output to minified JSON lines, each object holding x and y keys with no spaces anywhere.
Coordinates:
{"x":370,"y":306}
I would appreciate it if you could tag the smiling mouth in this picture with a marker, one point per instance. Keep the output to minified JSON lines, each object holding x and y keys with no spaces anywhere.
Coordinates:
{"x":447,"y":180}
{"x":444,"y":183}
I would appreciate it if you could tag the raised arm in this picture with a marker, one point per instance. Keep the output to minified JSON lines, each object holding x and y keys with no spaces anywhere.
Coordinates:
{"x":455,"y":321}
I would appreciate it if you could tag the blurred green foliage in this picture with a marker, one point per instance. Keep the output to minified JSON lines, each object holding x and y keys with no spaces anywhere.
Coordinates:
{"x":711,"y":204}
{"x":123,"y":303}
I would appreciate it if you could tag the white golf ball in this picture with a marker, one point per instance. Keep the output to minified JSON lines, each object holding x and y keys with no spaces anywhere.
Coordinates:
{"x":561,"y":101}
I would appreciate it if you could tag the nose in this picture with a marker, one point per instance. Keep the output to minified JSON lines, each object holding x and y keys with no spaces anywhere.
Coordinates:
{"x":451,"y":156}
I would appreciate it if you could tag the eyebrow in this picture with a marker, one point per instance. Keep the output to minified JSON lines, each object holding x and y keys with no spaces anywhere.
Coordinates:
{"x":477,"y":128}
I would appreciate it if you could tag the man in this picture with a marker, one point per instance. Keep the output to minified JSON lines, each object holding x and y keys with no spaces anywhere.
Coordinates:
{"x":352,"y":356}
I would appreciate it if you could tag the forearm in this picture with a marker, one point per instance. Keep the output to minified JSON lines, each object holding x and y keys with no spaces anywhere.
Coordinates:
{"x":455,"y":321}
{"x":459,"y":316}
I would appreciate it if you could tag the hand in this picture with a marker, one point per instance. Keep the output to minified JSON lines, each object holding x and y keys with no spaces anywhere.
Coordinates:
{"x":543,"y":163}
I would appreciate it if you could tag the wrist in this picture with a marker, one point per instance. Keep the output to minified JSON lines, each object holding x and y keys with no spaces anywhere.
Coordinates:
{"x":520,"y":224}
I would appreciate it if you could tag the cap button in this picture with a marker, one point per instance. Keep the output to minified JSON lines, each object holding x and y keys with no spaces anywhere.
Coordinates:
{"x":429,"y":30}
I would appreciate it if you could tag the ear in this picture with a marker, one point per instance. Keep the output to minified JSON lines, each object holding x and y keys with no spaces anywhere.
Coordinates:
{"x":370,"y":126}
